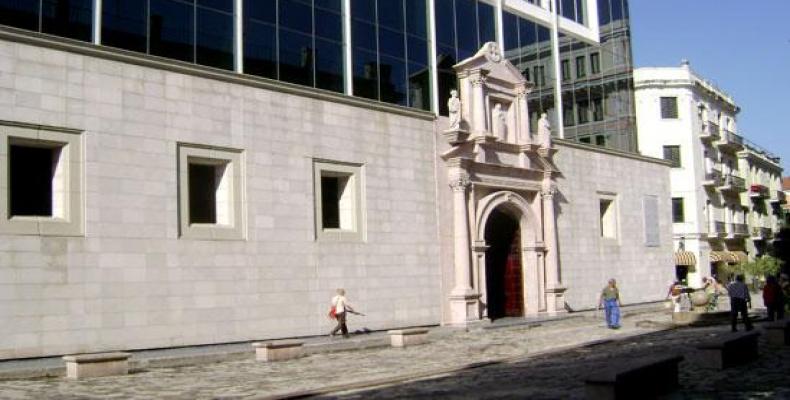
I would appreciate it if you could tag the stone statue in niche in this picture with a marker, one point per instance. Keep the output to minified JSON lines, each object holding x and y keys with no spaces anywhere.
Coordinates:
{"x":500,"y":122}
{"x":454,"y":107}
{"x":544,"y":131}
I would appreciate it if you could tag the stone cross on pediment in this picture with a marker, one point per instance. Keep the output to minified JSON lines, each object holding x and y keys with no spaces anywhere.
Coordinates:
{"x":493,"y":97}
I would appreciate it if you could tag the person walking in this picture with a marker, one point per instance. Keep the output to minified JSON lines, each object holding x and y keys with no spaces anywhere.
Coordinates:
{"x":342,"y":308}
{"x":610,"y":298}
{"x":740,"y":302}
{"x":773,"y":298}
{"x":675,"y":289}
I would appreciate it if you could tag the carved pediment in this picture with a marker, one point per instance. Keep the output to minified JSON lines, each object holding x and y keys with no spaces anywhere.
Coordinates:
{"x":499,"y":70}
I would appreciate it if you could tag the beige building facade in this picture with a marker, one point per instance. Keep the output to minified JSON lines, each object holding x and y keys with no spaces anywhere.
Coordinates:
{"x":181,"y":205}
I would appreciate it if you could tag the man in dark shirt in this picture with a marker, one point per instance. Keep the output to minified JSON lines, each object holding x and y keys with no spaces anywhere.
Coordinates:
{"x":740,"y":302}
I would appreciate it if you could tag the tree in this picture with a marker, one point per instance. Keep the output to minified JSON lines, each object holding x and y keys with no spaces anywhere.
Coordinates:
{"x":763,"y":266}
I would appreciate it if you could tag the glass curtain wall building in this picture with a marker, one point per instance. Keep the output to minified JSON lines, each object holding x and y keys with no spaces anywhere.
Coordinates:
{"x":394,"y":51}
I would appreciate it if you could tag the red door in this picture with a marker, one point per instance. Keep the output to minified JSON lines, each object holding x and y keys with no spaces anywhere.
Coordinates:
{"x":514,"y":296}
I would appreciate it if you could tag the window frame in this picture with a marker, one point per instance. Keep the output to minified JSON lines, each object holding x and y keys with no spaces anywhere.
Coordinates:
{"x":669,"y":151}
{"x":613,"y":233}
{"x":669,"y":113}
{"x":678,"y":210}
{"x":69,"y":190}
{"x":355,"y":172}
{"x":236,"y":227}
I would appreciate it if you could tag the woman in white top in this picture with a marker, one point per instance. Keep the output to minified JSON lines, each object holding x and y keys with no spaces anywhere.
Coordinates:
{"x":341,"y":307}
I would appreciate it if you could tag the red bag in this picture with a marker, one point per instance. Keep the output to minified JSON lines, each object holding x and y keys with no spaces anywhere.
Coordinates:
{"x":332,"y":313}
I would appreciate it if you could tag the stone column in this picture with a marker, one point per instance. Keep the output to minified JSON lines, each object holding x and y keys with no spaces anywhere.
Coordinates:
{"x":478,"y":105}
{"x":463,"y":299}
{"x":522,"y":116}
{"x":554,"y":290}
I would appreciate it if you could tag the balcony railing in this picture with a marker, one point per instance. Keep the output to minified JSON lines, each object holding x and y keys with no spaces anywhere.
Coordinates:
{"x":719,"y":228}
{"x":737,"y":229}
{"x":730,"y":141}
{"x":712,"y":178}
{"x":733,"y":183}
{"x":710,"y":131}
{"x":780,"y":198}
{"x":761,"y":233}
{"x":757,"y":190}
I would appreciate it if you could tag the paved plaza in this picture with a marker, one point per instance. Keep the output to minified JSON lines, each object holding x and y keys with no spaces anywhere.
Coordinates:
{"x":539,"y":360}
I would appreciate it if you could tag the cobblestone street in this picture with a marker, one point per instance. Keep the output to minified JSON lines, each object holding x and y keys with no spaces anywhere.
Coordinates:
{"x":526,"y":368}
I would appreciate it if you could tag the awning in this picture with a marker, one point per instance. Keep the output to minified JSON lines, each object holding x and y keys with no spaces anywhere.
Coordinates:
{"x":718,"y":256}
{"x":686,"y":258}
{"x":739,"y":257}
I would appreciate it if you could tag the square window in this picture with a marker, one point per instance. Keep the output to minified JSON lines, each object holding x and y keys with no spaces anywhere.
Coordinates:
{"x":338,"y":201}
{"x":672,"y":154}
{"x":608,"y":217}
{"x":211,"y":202}
{"x":41,"y":192}
{"x":669,"y":107}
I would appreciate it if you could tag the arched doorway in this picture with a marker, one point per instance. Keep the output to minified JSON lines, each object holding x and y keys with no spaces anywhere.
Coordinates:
{"x":503,"y":272}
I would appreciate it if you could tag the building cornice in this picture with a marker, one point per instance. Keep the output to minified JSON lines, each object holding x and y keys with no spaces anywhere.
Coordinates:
{"x":613,"y":152}
{"x":147,"y":60}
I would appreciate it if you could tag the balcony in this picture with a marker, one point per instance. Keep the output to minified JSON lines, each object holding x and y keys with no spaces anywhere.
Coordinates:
{"x":732,"y":183}
{"x":730,"y":141}
{"x":738,"y":230}
{"x":710,"y":131}
{"x":712,"y":178}
{"x":779,"y":198}
{"x":758,"y":191}
{"x":718,"y":229}
{"x":761,"y":233}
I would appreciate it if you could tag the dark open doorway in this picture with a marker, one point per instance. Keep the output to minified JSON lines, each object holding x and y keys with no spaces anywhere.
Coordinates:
{"x":504,"y":282}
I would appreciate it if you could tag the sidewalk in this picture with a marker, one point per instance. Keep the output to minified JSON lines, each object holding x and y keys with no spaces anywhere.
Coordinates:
{"x":240,"y":376}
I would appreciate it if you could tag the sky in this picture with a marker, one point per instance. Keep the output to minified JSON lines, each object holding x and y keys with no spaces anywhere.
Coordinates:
{"x":741,"y":46}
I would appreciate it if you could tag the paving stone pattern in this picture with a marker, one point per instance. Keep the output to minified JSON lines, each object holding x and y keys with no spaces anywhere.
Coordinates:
{"x":544,"y":376}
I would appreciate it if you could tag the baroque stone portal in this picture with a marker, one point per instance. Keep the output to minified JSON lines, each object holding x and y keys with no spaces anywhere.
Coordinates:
{"x":503,"y":184}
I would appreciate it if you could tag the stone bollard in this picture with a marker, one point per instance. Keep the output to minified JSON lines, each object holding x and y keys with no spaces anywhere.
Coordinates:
{"x":280,"y":350}
{"x":408,"y":337}
{"x":96,"y":365}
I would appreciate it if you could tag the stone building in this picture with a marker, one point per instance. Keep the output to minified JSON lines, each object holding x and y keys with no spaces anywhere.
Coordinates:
{"x":169,"y":192}
{"x":718,"y":180}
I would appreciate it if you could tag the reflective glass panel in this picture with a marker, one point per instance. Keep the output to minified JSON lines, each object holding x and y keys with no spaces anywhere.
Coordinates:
{"x":20,"y":13}
{"x":260,"y":49}
{"x":296,"y":57}
{"x":214,"y":38}
{"x":68,"y":18}
{"x":329,"y":65}
{"x":172,"y":29}
{"x":124,"y":24}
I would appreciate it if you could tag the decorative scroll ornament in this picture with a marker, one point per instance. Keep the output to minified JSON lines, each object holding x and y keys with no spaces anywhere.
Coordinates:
{"x":460,"y":183}
{"x":493,"y":54}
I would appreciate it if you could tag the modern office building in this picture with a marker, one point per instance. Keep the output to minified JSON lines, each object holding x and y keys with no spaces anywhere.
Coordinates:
{"x":719,"y":183}
{"x":189,"y":172}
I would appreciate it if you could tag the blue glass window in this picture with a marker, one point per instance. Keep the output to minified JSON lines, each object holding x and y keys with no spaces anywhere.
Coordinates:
{"x":172,"y":29}
{"x":68,"y":18}
{"x":486,"y":22}
{"x":390,"y":51}
{"x":214,"y":45}
{"x":124,"y":24}
{"x":20,"y":13}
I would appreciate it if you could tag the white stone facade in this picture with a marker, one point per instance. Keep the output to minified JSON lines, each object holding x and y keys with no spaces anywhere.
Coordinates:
{"x":710,"y":178}
{"x":132,"y":277}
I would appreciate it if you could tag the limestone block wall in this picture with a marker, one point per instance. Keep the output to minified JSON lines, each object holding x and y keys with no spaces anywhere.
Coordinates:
{"x":130,"y":282}
{"x":588,"y":260}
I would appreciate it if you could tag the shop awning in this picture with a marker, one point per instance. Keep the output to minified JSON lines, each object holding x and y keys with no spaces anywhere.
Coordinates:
{"x":739,"y":257}
{"x":719,"y":256}
{"x":686,"y":258}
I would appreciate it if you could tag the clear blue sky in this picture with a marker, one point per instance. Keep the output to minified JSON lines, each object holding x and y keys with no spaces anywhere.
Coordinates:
{"x":741,"y":46}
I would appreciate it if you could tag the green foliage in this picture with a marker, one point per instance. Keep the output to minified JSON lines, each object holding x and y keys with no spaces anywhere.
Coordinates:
{"x":727,"y":271}
{"x":763,"y":266}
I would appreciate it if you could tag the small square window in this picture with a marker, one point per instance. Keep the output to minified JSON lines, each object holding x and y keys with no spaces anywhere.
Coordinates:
{"x":41,"y":192}
{"x":608,"y":218}
{"x":672,"y":154}
{"x":339,"y":201}
{"x":600,"y":140}
{"x":669,"y":107}
{"x":211,"y":202}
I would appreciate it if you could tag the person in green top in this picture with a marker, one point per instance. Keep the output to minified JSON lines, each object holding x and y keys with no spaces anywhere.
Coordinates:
{"x":610,"y":299}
